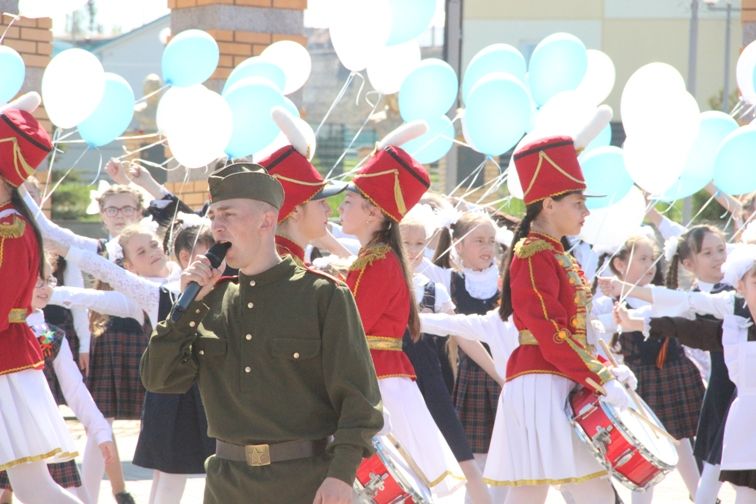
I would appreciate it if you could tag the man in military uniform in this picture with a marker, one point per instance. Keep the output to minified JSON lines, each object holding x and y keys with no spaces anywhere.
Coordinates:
{"x":280,"y":356}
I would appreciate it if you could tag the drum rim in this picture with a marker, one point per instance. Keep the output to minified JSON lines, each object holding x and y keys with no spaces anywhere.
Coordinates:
{"x":660,"y":465}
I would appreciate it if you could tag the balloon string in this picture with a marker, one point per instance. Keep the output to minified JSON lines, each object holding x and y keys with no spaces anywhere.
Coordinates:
{"x":14,"y":18}
{"x":354,"y":138}
{"x":56,"y":134}
{"x":60,"y":181}
{"x":135,"y":137}
{"x":336,"y":101}
{"x":143,"y":148}
{"x":62,"y":137}
{"x":150,"y":95}
{"x":99,"y":168}
{"x":359,"y":91}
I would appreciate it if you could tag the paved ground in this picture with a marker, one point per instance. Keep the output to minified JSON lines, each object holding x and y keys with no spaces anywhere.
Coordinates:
{"x":670,"y":491}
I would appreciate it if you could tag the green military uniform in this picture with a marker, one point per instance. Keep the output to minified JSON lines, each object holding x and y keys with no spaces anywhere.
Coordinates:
{"x":279,"y":356}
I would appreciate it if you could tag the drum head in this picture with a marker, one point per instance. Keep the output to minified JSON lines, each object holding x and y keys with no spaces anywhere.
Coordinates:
{"x":656,"y":445}
{"x":401,"y":470}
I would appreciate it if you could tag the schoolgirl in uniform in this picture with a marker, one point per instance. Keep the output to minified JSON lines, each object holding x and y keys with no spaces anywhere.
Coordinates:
{"x":387,"y":186}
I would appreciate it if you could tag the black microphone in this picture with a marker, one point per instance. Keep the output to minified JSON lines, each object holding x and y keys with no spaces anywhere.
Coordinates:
{"x":215,"y":255}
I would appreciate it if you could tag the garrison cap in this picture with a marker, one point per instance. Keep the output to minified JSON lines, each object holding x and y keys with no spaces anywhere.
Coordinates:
{"x":246,"y":181}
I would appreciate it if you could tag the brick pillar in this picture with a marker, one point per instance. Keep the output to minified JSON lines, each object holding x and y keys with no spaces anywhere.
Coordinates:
{"x":748,"y":18}
{"x":242,"y":28}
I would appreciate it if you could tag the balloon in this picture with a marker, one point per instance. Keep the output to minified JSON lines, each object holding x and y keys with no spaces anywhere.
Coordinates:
{"x":699,"y":168}
{"x":392,"y":65}
{"x":256,"y":66}
{"x":493,"y":58}
{"x":201,"y":128}
{"x":498,"y":111}
{"x":190,"y":58}
{"x":744,"y":73}
{"x":598,"y":82}
{"x":13,"y":70}
{"x":608,"y":228}
{"x":656,"y":162}
{"x":428,"y":91}
{"x":252,"y":100}
{"x":558,"y":63}
{"x":293,"y":59}
{"x":733,"y":166}
{"x":435,"y":143}
{"x":410,"y":19}
{"x":72,"y":86}
{"x":113,"y":114}
{"x":603,"y":139}
{"x":566,"y":113}
{"x":605,"y":175}
{"x":291,"y":107}
{"x":48,"y":8}
{"x":359,"y":28}
{"x":169,"y":107}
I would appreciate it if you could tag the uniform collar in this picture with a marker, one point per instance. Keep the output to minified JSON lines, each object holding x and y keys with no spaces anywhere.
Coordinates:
{"x":554,"y":241}
{"x":288,"y":247}
{"x":282,"y":270}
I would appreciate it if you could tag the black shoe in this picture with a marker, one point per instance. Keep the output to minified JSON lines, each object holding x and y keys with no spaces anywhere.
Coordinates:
{"x":124,"y":498}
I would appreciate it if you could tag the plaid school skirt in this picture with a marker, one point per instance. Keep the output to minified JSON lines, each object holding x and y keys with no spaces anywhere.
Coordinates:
{"x":65,"y":474}
{"x":674,"y":392}
{"x":114,"y":380}
{"x":476,"y":396}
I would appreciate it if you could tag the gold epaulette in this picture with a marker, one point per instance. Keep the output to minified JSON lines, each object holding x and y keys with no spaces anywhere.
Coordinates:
{"x":13,"y":229}
{"x":529,"y":246}
{"x":369,"y":256}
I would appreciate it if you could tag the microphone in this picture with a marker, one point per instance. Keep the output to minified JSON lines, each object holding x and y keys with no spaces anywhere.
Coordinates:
{"x":215,"y":255}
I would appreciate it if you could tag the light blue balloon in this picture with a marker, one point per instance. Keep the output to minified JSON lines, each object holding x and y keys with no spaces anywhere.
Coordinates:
{"x":435,"y":143}
{"x":257,"y":67}
{"x":410,"y":19}
{"x":558,"y":63}
{"x":291,"y":108}
{"x":251,"y":100}
{"x":494,"y":58}
{"x":12,"y":73}
{"x":498,"y":111}
{"x":603,"y":139}
{"x":428,"y":91}
{"x":112,"y":116}
{"x":734,"y":171}
{"x":190,"y":58}
{"x":699,"y":168}
{"x":605,"y":174}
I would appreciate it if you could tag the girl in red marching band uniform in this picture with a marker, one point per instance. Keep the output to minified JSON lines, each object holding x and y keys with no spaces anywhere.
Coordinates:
{"x":384,"y":189}
{"x":32,"y":431}
{"x":547,"y":294}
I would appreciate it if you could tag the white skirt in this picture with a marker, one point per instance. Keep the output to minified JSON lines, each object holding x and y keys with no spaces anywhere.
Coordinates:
{"x":412,"y":425}
{"x":31,"y":427}
{"x":533,"y":442}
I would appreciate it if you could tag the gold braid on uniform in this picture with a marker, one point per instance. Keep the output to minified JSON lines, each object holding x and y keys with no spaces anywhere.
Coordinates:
{"x":13,"y":229}
{"x":528,"y":247}
{"x":369,"y":256}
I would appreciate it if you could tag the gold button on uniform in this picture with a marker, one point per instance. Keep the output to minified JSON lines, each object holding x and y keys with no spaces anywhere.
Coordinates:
{"x":248,"y":337}
{"x":201,"y":352}
{"x":247,"y":369}
{"x":295,"y":355}
{"x":192,"y":323}
{"x":250,"y":304}
{"x":252,"y":283}
{"x":197,"y":310}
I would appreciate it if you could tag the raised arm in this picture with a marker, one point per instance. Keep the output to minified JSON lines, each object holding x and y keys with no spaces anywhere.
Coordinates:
{"x":51,"y":231}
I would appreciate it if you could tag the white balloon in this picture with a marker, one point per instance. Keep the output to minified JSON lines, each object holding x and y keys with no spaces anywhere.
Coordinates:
{"x":647,"y":95}
{"x":656,"y":162}
{"x":359,"y":29}
{"x":48,"y":8}
{"x":565,"y":113}
{"x":200,"y":127}
{"x":72,"y":86}
{"x":599,"y":78}
{"x":744,"y":73}
{"x":391,"y":65}
{"x":607,"y":228}
{"x":171,"y":107}
{"x":293,"y":59}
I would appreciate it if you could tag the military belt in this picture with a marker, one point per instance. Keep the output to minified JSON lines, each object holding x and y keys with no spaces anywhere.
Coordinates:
{"x":384,"y":343}
{"x":526,"y":338}
{"x":17,"y":316}
{"x":258,"y":455}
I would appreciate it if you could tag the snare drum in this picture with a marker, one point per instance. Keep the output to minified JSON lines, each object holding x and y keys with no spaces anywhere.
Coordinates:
{"x":387,"y":478}
{"x":621,"y":440}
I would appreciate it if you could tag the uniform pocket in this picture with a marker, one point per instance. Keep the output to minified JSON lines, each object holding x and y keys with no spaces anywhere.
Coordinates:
{"x":294,"y":349}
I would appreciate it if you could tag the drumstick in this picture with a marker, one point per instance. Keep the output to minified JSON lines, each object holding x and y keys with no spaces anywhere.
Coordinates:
{"x":408,"y":458}
{"x":656,"y":428}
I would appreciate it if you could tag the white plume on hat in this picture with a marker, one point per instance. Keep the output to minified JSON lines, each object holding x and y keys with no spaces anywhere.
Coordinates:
{"x":299,"y":134}
{"x":403,"y":134}
{"x":28,"y":101}
{"x":739,"y":261}
{"x":591,"y":130}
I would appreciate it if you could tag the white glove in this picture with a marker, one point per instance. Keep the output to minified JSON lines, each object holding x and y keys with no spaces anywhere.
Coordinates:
{"x":625,"y":375}
{"x":616,"y":395}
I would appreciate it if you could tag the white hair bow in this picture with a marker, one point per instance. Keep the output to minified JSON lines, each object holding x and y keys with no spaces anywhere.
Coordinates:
{"x":94,"y":195}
